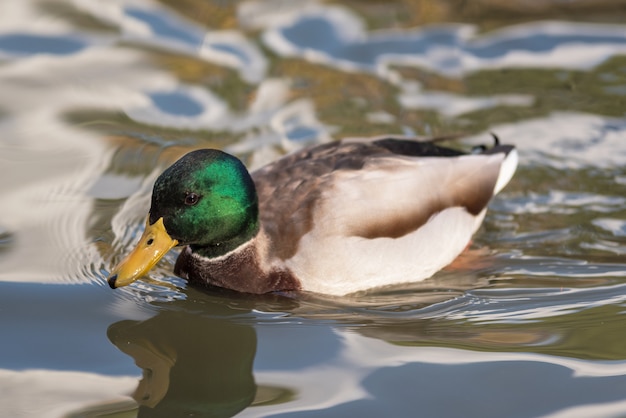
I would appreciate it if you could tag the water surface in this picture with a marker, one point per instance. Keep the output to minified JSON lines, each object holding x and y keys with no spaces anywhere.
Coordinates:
{"x":99,"y":97}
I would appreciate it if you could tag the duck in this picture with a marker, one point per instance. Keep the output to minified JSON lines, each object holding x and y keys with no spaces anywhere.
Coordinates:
{"x":337,"y":218}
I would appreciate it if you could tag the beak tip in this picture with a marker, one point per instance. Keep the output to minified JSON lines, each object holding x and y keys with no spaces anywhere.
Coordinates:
{"x":112,"y":281}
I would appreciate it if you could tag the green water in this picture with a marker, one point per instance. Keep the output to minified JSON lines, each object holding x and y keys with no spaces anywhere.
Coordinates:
{"x":98,"y":97}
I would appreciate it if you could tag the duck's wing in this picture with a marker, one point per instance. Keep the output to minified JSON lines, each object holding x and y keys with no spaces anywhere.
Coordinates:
{"x":322,"y":199}
{"x":290,"y":189}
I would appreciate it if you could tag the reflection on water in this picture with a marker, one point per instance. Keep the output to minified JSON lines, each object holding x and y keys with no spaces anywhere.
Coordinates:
{"x":336,"y":36}
{"x":98,"y":97}
{"x":197,"y":358}
{"x":200,"y":357}
{"x":26,"y":44}
{"x":192,"y":366}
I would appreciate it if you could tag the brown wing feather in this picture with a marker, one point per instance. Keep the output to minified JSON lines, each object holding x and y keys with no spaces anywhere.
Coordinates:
{"x":289,"y":188}
{"x":471,"y":189}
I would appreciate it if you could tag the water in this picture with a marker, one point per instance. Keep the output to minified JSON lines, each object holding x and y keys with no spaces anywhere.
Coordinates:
{"x":98,"y":97}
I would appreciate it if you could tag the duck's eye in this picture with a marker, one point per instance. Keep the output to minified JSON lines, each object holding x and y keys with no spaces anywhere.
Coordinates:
{"x":191,"y":198}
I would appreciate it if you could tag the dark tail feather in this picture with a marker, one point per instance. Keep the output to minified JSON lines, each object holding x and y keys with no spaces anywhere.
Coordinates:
{"x":497,"y":148}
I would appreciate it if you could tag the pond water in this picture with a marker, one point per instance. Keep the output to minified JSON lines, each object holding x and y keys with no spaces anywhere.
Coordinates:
{"x":98,"y":97}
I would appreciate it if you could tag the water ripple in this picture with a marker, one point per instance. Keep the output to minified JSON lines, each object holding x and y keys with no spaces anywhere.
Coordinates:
{"x":566,"y":141}
{"x":157,"y":26}
{"x":334,"y":36}
{"x":525,"y":306}
{"x":562,"y":202}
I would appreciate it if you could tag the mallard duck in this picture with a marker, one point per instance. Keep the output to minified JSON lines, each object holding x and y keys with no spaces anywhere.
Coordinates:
{"x":335,"y":218}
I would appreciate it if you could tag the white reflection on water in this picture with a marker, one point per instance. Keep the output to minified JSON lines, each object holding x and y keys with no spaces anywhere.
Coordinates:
{"x":451,"y":105}
{"x":335,"y":36}
{"x":617,"y":227}
{"x":564,"y":203}
{"x":58,"y":393}
{"x":347,"y":377}
{"x":516,"y":306}
{"x":271,"y":119}
{"x":150,"y":24}
{"x":567,"y":140}
{"x":180,"y":106}
{"x":56,"y":163}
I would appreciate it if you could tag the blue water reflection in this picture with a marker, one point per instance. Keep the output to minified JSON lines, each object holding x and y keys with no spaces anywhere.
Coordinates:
{"x":336,"y":37}
{"x":164,"y":25}
{"x":549,"y":387}
{"x":321,"y":34}
{"x":544,"y":42}
{"x":176,"y":103}
{"x":23,"y":44}
{"x":170,"y":32}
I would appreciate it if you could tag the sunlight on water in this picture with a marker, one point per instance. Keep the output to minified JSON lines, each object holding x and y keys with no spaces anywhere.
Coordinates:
{"x":98,"y":98}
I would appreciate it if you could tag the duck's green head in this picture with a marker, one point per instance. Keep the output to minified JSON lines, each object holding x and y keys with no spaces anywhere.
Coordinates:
{"x":207,"y":200}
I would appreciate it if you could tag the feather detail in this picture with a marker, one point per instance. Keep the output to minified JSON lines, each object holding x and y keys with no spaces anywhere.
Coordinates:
{"x":244,"y":269}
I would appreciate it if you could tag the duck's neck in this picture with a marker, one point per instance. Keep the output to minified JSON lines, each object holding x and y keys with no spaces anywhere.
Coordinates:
{"x":219,"y":249}
{"x":244,"y":269}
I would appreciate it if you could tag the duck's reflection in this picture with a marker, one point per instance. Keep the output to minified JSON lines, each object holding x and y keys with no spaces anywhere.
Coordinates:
{"x":192,"y":365}
{"x":197,"y":354}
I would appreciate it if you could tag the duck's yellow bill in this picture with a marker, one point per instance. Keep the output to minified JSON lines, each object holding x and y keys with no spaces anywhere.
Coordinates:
{"x":152,"y":246}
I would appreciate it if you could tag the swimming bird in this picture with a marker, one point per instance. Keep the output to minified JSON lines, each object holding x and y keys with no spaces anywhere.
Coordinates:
{"x":336,"y":218}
